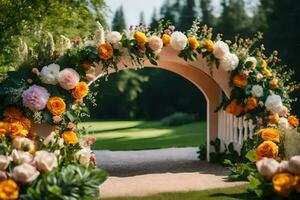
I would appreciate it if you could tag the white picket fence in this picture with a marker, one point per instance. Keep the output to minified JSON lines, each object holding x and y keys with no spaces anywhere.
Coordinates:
{"x":234,"y":129}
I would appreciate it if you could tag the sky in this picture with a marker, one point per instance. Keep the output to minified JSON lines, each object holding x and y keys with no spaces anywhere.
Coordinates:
{"x":133,"y":8}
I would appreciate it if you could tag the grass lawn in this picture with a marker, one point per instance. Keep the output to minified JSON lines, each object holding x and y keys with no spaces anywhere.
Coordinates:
{"x":137,"y":135}
{"x":238,"y":192}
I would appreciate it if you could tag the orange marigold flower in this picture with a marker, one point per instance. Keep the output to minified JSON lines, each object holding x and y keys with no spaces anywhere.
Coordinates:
{"x":4,"y":128}
{"x":293,"y":121}
{"x":17,"y":130}
{"x":9,"y":189}
{"x":266,"y":149}
{"x":80,"y":91}
{"x":209,"y":45}
{"x":56,"y":105}
{"x":269,"y":134}
{"x":26,"y":123}
{"x":12,"y":114}
{"x":240,"y":81}
{"x":193,"y":42}
{"x":166,"y":39}
{"x":105,"y":51}
{"x":70,"y":137}
{"x":234,"y":108}
{"x":141,"y":38}
{"x":251,"y":103}
{"x":284,"y":184}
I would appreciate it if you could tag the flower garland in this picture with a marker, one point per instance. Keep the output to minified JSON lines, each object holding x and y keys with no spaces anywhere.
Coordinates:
{"x":50,"y":88}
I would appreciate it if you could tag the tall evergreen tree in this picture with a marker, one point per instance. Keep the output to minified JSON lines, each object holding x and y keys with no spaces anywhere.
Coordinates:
{"x":118,"y":23}
{"x":206,"y":10}
{"x":142,"y":17}
{"x":154,"y":19}
{"x":188,"y":15}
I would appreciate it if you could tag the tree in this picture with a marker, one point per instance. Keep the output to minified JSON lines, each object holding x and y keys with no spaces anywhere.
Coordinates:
{"x":188,"y":15}
{"x":171,"y":11}
{"x":118,"y":23}
{"x":154,"y":19}
{"x":206,"y":11}
{"x":142,"y":17}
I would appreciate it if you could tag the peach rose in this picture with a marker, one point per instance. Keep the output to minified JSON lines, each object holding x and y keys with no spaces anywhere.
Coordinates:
{"x":68,"y":78}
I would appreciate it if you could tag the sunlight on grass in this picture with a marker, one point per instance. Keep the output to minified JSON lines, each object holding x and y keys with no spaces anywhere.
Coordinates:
{"x":137,"y":135}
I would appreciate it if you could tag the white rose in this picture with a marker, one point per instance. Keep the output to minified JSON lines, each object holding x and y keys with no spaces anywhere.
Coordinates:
{"x":20,"y":157}
{"x":294,"y":165}
{"x":257,"y":91}
{"x":50,"y":139}
{"x":178,"y":40}
{"x":49,"y":74}
{"x":252,"y":60}
{"x":45,"y":161}
{"x":22,"y":143}
{"x":83,"y":156}
{"x":220,"y":49}
{"x":229,"y":62}
{"x":283,"y":123}
{"x":267,"y":167}
{"x":274,"y":103}
{"x":283,"y":166}
{"x":113,"y":37}
{"x":4,"y":162}
{"x":25,"y":173}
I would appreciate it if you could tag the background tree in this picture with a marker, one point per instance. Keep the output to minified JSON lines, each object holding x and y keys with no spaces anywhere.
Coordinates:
{"x":206,"y":10}
{"x":188,"y":15}
{"x":118,"y":23}
{"x":154,"y":19}
{"x":142,"y":17}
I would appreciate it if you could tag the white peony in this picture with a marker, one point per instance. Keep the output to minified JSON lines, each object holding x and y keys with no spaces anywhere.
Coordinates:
{"x":4,"y":162}
{"x":45,"y":161}
{"x":257,"y":91}
{"x":220,"y":49}
{"x":252,"y":60}
{"x":20,"y":157}
{"x":113,"y":37}
{"x":83,"y":156}
{"x":283,"y":123}
{"x":178,"y":40}
{"x":229,"y":62}
{"x":25,"y":173}
{"x":274,"y":103}
{"x":49,"y":74}
{"x":294,"y":165}
{"x":267,"y":167}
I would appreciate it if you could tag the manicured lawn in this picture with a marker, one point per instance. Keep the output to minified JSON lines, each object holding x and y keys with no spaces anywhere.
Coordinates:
{"x":216,"y":194}
{"x":137,"y":135}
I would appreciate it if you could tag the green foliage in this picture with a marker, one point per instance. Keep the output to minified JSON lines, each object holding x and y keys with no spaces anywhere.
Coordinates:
{"x":118,"y":23}
{"x":202,"y":152}
{"x":177,"y":119}
{"x":219,"y":156}
{"x":71,"y":182}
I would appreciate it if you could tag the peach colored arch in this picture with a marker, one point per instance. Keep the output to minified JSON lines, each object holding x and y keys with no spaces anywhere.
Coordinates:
{"x":210,"y":84}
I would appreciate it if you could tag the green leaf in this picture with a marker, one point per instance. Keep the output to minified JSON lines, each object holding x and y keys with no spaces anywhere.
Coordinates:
{"x":251,"y":155}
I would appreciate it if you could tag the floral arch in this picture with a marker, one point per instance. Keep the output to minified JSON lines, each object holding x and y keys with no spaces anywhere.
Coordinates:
{"x":43,"y":150}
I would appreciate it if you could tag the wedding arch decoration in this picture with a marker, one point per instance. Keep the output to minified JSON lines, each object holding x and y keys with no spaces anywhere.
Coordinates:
{"x":45,"y":155}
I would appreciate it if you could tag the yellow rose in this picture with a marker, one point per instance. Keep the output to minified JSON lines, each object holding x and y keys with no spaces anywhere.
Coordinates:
{"x":266,"y":149}
{"x":56,"y":105}
{"x":193,"y":42}
{"x":166,"y":39}
{"x":251,"y":103}
{"x":141,"y":38}
{"x":234,"y":108}
{"x":209,"y":45}
{"x":105,"y":51}
{"x":264,"y":64}
{"x":12,"y":114}
{"x":267,"y":72}
{"x":17,"y":130}
{"x":269,"y":134}
{"x":9,"y":190}
{"x":240,"y":81}
{"x":273,"y":84}
{"x":293,"y":121}
{"x":70,"y":137}
{"x":284,"y":184}
{"x":80,"y":91}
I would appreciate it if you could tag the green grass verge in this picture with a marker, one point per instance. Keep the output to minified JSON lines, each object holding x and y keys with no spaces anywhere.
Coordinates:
{"x":232,"y":193}
{"x":138,"y":135}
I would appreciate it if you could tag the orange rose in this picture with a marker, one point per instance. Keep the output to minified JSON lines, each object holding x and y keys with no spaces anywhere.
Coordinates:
{"x":284,"y":184}
{"x":273,"y":84}
{"x":273,"y":119}
{"x":251,"y":103}
{"x":87,"y":65}
{"x":9,"y":190}
{"x":234,"y":108}
{"x":56,"y":106}
{"x":140,"y":37}
{"x":12,"y":114}
{"x":80,"y":91}
{"x":293,"y":121}
{"x":193,"y":42}
{"x":105,"y":51}
{"x":166,"y":39}
{"x":269,"y":134}
{"x":240,"y":81}
{"x":266,"y":149}
{"x":17,"y":130}
{"x":209,"y":45}
{"x":70,"y":137}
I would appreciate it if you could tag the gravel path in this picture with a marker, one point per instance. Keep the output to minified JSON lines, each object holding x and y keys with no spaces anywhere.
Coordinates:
{"x":147,"y":172}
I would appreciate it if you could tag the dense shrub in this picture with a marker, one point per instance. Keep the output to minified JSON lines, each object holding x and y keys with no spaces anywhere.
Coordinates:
{"x":177,"y":119}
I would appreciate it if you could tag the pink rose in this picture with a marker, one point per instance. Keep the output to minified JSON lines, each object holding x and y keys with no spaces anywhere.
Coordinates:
{"x":20,"y":157}
{"x":68,"y":78}
{"x":155,"y":43}
{"x":259,"y":77}
{"x":57,"y":119}
{"x":25,"y":173}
